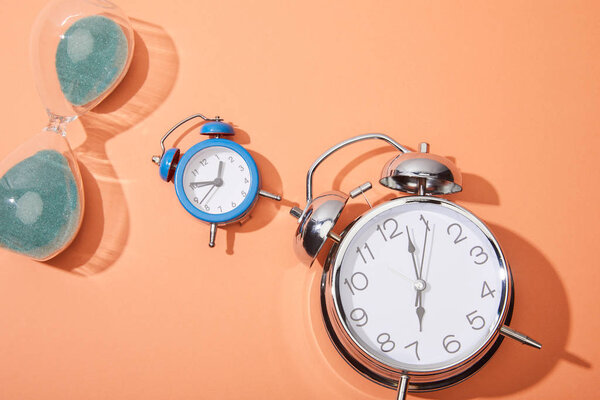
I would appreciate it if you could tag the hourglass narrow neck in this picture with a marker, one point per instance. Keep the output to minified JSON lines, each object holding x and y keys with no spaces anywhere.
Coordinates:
{"x":58,"y":123}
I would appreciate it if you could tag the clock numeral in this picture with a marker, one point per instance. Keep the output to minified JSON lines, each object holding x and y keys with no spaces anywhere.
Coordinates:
{"x":243,"y":194}
{"x":216,"y":155}
{"x":233,"y":204}
{"x":195,"y":199}
{"x":203,"y":162}
{"x":220,"y":208}
{"x":386,"y":343}
{"x":451,"y":346}
{"x":391,"y":222}
{"x":416,"y":344}
{"x":206,"y":207}
{"x":358,"y":315}
{"x":480,"y":256}
{"x":195,"y":172}
{"x":241,"y":168}
{"x":366,"y":246}
{"x":487,"y":291}
{"x":358,"y":281}
{"x":231,"y":159}
{"x":477,"y":322}
{"x":246,"y":180}
{"x":458,"y":237}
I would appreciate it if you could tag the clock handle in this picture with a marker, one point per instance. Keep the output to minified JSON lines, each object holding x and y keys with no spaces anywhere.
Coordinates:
{"x":340,"y":145}
{"x":156,"y":159}
{"x":402,"y":387}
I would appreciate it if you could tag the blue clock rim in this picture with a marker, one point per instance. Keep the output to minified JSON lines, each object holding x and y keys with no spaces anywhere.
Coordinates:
{"x":243,"y":207}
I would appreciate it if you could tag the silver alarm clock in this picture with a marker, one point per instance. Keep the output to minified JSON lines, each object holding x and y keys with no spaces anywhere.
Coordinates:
{"x":416,"y":293}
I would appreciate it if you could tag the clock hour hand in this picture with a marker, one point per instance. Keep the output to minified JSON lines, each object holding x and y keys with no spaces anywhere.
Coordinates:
{"x":411,"y":250}
{"x":220,"y":171}
{"x":419,"y":284}
{"x":195,"y":185}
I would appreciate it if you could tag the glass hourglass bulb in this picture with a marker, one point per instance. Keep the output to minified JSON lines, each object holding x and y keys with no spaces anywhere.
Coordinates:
{"x":80,"y":51}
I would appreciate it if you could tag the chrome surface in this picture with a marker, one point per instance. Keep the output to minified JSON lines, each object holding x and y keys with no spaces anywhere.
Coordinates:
{"x":320,"y":214}
{"x":402,"y":387}
{"x":368,"y":364}
{"x":296,"y":212}
{"x":422,"y":173}
{"x":213,"y":234}
{"x":316,"y":223}
{"x":519,"y":337}
{"x":268,"y":195}
{"x":335,"y":237}
{"x":361,"y":189}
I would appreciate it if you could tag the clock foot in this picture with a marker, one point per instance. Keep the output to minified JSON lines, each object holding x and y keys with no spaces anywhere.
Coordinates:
{"x":268,"y":195}
{"x":213,"y":234}
{"x":519,"y":337}
{"x":402,"y":387}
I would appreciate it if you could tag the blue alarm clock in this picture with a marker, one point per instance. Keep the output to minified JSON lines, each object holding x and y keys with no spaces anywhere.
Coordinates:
{"x":216,"y":180}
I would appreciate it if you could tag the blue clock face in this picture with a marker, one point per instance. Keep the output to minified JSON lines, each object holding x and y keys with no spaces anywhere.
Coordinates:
{"x":217,"y":181}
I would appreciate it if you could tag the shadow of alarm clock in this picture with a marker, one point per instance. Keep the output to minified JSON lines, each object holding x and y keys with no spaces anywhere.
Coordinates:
{"x":416,"y":293}
{"x":216,"y":180}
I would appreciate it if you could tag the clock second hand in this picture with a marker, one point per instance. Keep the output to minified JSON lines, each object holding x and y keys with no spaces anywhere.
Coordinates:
{"x":207,"y":193}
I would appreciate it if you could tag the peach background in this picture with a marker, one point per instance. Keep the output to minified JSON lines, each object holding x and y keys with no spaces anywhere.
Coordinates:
{"x":140,"y":308}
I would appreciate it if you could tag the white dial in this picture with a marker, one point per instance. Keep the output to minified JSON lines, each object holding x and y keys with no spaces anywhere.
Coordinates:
{"x":419,"y":286}
{"x":216,"y":180}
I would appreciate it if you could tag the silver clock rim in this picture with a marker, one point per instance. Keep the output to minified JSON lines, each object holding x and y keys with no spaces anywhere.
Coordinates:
{"x":332,"y":305}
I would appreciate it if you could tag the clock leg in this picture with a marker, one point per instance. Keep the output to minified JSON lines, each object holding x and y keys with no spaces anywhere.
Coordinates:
{"x":213,"y":234}
{"x":268,"y":195}
{"x":519,"y":337}
{"x":402,"y":387}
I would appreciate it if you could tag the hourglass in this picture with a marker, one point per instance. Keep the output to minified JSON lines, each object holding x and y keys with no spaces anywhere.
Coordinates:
{"x":80,"y":50}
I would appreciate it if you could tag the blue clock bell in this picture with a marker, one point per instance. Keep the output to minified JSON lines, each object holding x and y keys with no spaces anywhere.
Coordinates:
{"x":216,"y":180}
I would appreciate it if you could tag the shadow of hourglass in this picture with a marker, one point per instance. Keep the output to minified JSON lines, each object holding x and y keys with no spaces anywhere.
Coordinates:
{"x":105,"y":227}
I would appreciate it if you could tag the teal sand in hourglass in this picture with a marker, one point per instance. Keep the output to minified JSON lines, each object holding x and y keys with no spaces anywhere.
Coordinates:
{"x":81,"y":50}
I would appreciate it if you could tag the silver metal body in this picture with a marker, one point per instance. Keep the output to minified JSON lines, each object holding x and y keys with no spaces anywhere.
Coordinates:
{"x":418,"y":173}
{"x":421,"y":173}
{"x":320,"y":214}
{"x":368,"y":364}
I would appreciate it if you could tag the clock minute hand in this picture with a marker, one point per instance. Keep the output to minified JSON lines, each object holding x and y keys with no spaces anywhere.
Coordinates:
{"x":420,"y":309}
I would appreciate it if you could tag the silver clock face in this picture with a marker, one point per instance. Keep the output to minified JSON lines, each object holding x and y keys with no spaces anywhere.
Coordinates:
{"x":216,"y":180}
{"x":419,"y":284}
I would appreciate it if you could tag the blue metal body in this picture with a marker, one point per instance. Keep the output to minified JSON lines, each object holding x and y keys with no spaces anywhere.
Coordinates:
{"x":167,"y":163}
{"x":243,"y":208}
{"x":216,"y":128}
